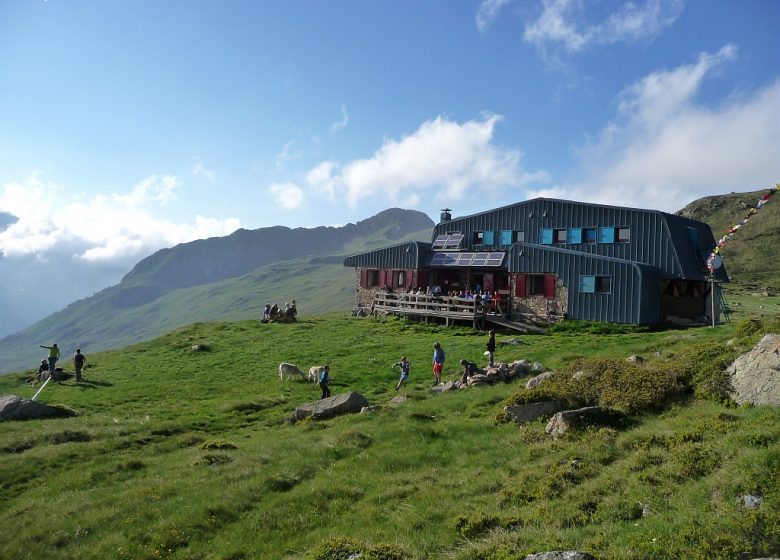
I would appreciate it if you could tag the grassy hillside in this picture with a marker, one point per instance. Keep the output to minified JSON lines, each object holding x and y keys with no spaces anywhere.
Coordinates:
{"x":128,"y":313}
{"x":186,"y":454}
{"x":752,"y":257}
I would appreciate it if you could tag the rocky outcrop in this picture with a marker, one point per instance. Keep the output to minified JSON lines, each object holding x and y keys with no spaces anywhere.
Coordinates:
{"x":539,"y":379}
{"x":522,"y":413}
{"x":560,"y":423}
{"x":755,"y":376}
{"x":13,"y":407}
{"x":345,"y":403}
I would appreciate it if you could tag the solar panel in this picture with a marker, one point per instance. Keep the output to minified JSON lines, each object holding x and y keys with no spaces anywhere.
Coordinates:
{"x":454,"y":241}
{"x":440,"y":241}
{"x":467,"y":259}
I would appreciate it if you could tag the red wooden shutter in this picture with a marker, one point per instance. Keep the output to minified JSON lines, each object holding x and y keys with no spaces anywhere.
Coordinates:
{"x":364,"y":278}
{"x":408,"y":279}
{"x":389,"y":278}
{"x":520,"y":286}
{"x":549,"y":286}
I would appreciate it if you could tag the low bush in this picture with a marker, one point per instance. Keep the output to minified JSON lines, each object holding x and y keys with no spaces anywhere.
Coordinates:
{"x":703,"y":370}
{"x":476,"y":525}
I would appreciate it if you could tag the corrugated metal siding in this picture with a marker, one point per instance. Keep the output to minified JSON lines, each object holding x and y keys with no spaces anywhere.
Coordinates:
{"x":655,"y":236}
{"x":411,"y":255}
{"x":634,"y":294}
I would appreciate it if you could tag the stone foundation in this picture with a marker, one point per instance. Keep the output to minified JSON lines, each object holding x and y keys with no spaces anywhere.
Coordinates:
{"x":541,"y":307}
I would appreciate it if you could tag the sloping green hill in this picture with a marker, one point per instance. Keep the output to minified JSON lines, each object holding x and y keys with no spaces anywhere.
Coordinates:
{"x":168,"y":289}
{"x":752,"y":257}
{"x":178,"y":453}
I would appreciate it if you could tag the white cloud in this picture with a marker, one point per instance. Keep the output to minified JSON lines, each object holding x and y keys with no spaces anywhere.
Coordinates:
{"x":200,"y":171}
{"x":288,"y":195}
{"x":443,"y":159}
{"x":335,"y":127}
{"x":487,"y":12}
{"x":665,"y":149}
{"x":113,"y":227}
{"x":564,"y":24}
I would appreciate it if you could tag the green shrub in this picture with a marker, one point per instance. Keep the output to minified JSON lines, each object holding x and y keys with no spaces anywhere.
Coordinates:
{"x":748,"y":327}
{"x":631,"y":388}
{"x":217,"y":444}
{"x":703,"y":369}
{"x":693,"y":460}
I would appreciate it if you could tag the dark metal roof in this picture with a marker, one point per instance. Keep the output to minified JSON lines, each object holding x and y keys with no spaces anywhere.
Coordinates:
{"x":411,"y":255}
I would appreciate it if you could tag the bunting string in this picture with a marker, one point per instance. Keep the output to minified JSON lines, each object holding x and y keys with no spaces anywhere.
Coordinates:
{"x":730,"y":235}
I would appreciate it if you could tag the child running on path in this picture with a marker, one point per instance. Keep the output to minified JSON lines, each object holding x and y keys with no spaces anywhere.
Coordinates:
{"x":404,"y":364}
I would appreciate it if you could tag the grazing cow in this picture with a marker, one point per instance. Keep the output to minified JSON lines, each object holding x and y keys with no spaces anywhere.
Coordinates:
{"x":290,"y":370}
{"x":314,"y":374}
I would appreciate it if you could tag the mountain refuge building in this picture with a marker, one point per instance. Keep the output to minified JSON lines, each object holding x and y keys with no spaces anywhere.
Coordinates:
{"x":550,"y":259}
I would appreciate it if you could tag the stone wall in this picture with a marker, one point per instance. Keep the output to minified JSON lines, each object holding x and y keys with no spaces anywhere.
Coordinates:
{"x":364,"y":296}
{"x":540,"y":306}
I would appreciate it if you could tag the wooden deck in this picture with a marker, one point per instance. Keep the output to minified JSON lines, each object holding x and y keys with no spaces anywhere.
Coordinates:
{"x":446,"y":308}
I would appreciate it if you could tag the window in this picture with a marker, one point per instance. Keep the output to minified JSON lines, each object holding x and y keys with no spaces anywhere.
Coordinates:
{"x":400,"y":279}
{"x":488,"y":237}
{"x":372,"y":278}
{"x":623,"y":234}
{"x":595,"y":284}
{"x":559,"y":235}
{"x":479,"y":237}
{"x":518,"y":236}
{"x":505,"y":237}
{"x":589,"y":235}
{"x":535,"y":285}
{"x":574,"y":235}
{"x":546,"y":236}
{"x":606,"y":235}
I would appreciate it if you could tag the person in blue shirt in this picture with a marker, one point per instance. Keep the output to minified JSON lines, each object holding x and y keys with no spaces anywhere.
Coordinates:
{"x":404,"y":365}
{"x":438,"y":362}
{"x":324,"y":380}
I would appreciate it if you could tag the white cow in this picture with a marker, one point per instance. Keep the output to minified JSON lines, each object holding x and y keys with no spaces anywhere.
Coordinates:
{"x":314,"y":373}
{"x":290,"y":370}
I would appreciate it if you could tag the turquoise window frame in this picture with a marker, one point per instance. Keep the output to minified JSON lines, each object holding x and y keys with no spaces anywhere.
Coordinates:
{"x":606,"y":235}
{"x":505,"y":237}
{"x":545,"y":236}
{"x":587,"y":284}
{"x":487,"y":237}
{"x":574,"y":235}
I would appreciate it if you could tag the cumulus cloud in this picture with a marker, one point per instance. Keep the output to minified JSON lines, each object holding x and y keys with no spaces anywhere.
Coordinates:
{"x":335,"y":127}
{"x":487,"y":12}
{"x":113,"y":227}
{"x":564,"y":24}
{"x":664,"y":148}
{"x":288,"y":195}
{"x":442,"y":159}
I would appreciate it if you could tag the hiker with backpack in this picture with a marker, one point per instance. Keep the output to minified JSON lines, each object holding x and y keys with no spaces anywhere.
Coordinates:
{"x":78,"y":363}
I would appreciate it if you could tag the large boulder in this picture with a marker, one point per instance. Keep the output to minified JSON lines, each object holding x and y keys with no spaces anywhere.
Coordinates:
{"x":522,"y":413}
{"x":539,"y":379}
{"x":755,"y":376}
{"x":343,"y":403}
{"x":17,"y":408}
{"x":560,"y":555}
{"x":560,"y":423}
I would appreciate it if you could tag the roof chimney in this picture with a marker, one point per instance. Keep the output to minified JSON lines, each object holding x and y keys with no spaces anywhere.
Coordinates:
{"x":445,"y":215}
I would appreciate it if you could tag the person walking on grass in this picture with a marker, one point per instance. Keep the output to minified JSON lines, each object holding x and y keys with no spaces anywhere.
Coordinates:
{"x":491,"y":346}
{"x":324,"y":380}
{"x":78,"y":363}
{"x":404,"y":365}
{"x":54,"y":355}
{"x":438,"y":363}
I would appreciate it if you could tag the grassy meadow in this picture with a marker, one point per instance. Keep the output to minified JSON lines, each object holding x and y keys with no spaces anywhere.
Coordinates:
{"x":188,"y":454}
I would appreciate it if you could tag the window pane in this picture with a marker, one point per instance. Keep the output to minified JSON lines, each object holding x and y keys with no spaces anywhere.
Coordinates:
{"x":623,"y":235}
{"x":587,"y":284}
{"x":606,"y":235}
{"x":604,"y":284}
{"x":589,"y":235}
{"x":560,"y":236}
{"x":519,"y":237}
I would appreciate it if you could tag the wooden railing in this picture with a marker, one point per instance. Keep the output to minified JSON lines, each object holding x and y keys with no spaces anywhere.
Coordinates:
{"x":445,"y":307}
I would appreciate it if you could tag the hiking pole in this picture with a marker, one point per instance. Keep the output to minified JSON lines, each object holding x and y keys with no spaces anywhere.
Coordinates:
{"x":41,"y":389}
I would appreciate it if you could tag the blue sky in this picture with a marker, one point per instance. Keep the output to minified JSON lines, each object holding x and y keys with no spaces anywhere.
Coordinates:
{"x":130,"y":126}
